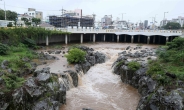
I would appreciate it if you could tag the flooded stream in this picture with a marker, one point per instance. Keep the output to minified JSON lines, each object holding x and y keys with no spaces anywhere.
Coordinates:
{"x":99,"y":88}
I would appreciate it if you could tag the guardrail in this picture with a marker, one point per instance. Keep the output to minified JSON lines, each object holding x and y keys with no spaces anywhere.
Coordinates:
{"x":113,"y":30}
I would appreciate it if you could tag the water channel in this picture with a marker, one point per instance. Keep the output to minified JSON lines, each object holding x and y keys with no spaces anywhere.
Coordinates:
{"x":99,"y":88}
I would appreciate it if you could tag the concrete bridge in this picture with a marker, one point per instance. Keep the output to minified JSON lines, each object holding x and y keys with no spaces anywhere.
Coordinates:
{"x":114,"y":35}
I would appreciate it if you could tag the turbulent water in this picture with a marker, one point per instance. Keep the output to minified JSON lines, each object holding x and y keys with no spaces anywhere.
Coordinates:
{"x":99,"y":88}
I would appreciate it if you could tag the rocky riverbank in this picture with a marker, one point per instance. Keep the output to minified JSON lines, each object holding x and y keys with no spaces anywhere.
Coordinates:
{"x":41,"y":89}
{"x":154,"y":95}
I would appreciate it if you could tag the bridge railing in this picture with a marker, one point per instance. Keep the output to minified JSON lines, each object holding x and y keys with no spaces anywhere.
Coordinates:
{"x":113,"y":30}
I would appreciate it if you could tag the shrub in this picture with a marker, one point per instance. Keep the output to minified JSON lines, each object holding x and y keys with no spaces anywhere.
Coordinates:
{"x":3,"y":49}
{"x":134,"y":65}
{"x":75,"y":55}
{"x":12,"y":81}
{"x":29,"y":42}
{"x":120,"y":63}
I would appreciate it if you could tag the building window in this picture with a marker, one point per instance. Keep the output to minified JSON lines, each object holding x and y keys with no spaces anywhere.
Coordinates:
{"x":32,"y":13}
{"x":29,"y":13}
{"x":40,"y":14}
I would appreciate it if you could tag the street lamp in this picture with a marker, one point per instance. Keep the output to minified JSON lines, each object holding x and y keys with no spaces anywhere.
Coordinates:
{"x":4,"y":10}
{"x":122,"y":15}
{"x":164,"y":18}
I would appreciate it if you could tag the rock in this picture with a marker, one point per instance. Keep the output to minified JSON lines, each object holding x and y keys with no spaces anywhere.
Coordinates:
{"x":50,"y":51}
{"x":122,"y":57}
{"x":57,"y":52}
{"x":124,"y":52}
{"x":43,"y":77}
{"x":25,"y":59}
{"x":100,"y":58}
{"x":86,"y":109}
{"x":4,"y":64}
{"x":32,"y":89}
{"x":91,"y":60}
{"x":74,"y":77}
{"x":144,"y":51}
{"x":46,"y":104}
{"x":162,"y":100}
{"x":85,"y":66}
{"x":18,"y":96}
{"x":78,"y":67}
{"x":128,"y":48}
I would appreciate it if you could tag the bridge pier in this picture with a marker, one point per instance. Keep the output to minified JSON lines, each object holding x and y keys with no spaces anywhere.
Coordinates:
{"x":148,"y":40}
{"x":125,"y":38}
{"x":93,"y":37}
{"x":47,"y":40}
{"x":117,"y":38}
{"x":139,"y":39}
{"x":167,"y":38}
{"x":104,"y":37}
{"x":81,"y":39}
{"x":112,"y":38}
{"x":66,"y":39}
{"x":153,"y":39}
{"x":132,"y":39}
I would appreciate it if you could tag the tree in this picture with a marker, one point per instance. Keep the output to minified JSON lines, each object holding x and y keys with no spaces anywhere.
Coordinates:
{"x":36,"y":21}
{"x":9,"y":24}
{"x":172,"y":25}
{"x":26,"y":21}
{"x":10,"y":15}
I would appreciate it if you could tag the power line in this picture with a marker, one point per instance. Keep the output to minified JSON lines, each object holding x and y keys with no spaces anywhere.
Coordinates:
{"x":27,"y":8}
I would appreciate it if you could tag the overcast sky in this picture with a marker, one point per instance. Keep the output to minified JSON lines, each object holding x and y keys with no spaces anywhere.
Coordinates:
{"x":136,"y":10}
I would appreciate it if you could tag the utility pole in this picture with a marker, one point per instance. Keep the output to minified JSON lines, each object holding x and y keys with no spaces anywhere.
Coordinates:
{"x":164,"y":18}
{"x":4,"y":10}
{"x":122,"y":15}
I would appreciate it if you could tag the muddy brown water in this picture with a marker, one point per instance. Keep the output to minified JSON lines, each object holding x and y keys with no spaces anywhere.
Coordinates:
{"x":99,"y":88}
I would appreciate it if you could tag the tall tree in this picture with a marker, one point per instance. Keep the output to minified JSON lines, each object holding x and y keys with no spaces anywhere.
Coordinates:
{"x":36,"y":21}
{"x":10,"y":15}
{"x":172,"y":25}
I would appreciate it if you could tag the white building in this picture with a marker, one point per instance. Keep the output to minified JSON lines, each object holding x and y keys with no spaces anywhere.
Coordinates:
{"x":4,"y":23}
{"x":179,"y":20}
{"x":36,"y":14}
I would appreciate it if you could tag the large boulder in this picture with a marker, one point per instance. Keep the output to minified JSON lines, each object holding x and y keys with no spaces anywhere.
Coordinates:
{"x":100,"y":57}
{"x":162,"y":100}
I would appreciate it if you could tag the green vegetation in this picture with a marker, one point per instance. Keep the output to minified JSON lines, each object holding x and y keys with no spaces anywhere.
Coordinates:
{"x":169,"y":66}
{"x":120,"y":63}
{"x":3,"y":49}
{"x":134,"y":65}
{"x":75,"y":55}
{"x":12,"y":81}
{"x":10,"y":15}
{"x":172,"y":25}
{"x":16,"y":35}
{"x":36,"y":21}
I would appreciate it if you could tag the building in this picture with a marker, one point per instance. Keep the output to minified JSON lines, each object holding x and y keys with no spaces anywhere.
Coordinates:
{"x":106,"y":20}
{"x":4,"y":23}
{"x":72,"y":18}
{"x":179,"y":20}
{"x":145,"y":24}
{"x":36,"y":14}
{"x":141,"y":25}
